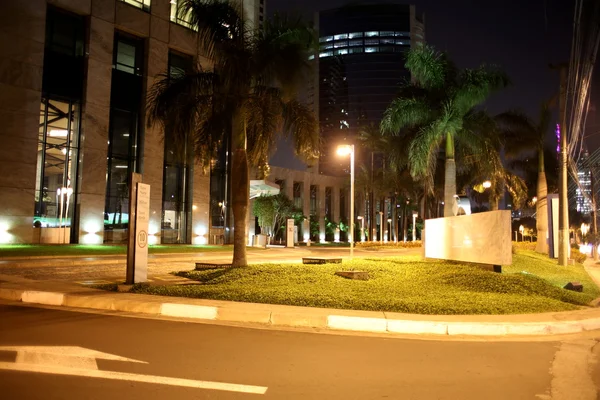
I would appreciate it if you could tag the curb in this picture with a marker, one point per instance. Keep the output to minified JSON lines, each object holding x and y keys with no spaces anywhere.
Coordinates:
{"x":305,"y":317}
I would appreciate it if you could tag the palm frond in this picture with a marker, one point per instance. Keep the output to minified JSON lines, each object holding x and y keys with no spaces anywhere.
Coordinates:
{"x":423,"y":154}
{"x":405,"y":112}
{"x":263,"y":119}
{"x":219,"y":24}
{"x":301,"y":126}
{"x":370,"y":136}
{"x":427,"y":66}
{"x":519,"y":132}
{"x":280,"y":53}
{"x":175,"y":102}
{"x":475,"y":86}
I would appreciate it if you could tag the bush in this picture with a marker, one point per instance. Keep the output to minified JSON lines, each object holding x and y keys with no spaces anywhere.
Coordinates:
{"x":578,"y":256}
{"x":524,"y":245}
{"x":379,"y":245}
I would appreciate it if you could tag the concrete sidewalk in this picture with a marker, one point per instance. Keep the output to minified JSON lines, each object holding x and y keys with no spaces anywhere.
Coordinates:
{"x":55,"y":293}
{"x":107,"y":269}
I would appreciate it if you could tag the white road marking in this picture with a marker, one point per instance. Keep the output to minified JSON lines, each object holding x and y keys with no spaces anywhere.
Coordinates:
{"x":68,"y":351}
{"x":123,"y":376}
{"x":79,"y":361}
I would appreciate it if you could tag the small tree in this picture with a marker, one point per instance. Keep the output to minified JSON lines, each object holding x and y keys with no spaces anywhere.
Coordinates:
{"x":273,"y":211}
{"x":264,"y":209}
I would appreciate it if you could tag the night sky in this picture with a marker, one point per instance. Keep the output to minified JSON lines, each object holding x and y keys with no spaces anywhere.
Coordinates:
{"x":521,"y":36}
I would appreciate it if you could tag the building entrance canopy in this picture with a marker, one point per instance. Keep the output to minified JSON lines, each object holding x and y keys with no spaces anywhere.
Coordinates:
{"x":263,"y":188}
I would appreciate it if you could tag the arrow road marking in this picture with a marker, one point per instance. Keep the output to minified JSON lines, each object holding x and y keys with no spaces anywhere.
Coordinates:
{"x":79,"y":361}
{"x":122,"y":376}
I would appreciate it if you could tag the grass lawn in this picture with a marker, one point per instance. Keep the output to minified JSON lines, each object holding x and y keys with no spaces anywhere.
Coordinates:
{"x":29,"y":250}
{"x":401,"y":284}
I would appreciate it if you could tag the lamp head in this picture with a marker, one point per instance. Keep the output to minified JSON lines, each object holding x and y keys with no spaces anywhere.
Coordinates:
{"x":344,"y":150}
{"x":487,"y":184}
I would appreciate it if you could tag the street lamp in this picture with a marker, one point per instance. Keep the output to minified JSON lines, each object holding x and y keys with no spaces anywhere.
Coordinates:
{"x":344,"y":150}
{"x":487,"y":184}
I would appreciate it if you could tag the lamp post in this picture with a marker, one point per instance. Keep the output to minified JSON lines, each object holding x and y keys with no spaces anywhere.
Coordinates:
{"x":344,"y":150}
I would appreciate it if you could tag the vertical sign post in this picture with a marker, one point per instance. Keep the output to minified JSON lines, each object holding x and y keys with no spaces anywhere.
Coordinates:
{"x":290,"y":233}
{"x":137,"y":240}
{"x":141,"y":233}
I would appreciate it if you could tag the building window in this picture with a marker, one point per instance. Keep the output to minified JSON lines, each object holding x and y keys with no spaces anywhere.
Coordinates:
{"x":183,"y":20}
{"x":401,"y":42}
{"x":356,"y":42}
{"x":128,"y":55}
{"x":372,"y":33}
{"x":327,"y":46}
{"x":325,"y":39}
{"x":353,"y":50}
{"x":65,"y":33}
{"x":340,"y":44}
{"x":355,"y":35}
{"x":141,"y":4}
{"x":122,"y":160}
{"x":124,"y":135}
{"x":177,"y":174}
{"x":56,"y":176}
{"x":403,"y":34}
{"x":340,"y":52}
{"x":371,"y":49}
{"x":370,"y":42}
{"x":325,"y":54}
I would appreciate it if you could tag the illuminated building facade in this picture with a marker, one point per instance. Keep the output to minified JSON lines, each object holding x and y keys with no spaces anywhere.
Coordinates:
{"x":73,"y":103}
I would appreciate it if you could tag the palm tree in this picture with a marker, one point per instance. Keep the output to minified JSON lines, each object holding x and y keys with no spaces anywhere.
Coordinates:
{"x":248,"y":94}
{"x":371,"y":138}
{"x":438,"y":101}
{"x":523,"y":135}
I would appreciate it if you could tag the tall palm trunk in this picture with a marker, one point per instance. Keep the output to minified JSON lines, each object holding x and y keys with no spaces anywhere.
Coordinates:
{"x":541,"y":207}
{"x":240,"y":196}
{"x":450,"y":177}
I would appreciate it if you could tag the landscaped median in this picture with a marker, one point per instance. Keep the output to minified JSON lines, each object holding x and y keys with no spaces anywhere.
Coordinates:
{"x":532,"y":284}
{"x":60,"y":294}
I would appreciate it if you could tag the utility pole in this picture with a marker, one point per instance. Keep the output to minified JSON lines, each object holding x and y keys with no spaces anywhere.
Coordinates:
{"x":563,"y":206}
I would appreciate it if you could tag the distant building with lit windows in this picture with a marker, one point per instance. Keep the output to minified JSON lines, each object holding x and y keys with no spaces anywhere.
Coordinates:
{"x":360,"y":68}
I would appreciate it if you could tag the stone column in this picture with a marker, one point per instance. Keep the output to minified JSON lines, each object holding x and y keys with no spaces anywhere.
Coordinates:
{"x":289,"y":189}
{"x":321,"y":210}
{"x":335,"y":203}
{"x":22,"y":36}
{"x":200,"y":206}
{"x":94,"y":130}
{"x":306,"y":207}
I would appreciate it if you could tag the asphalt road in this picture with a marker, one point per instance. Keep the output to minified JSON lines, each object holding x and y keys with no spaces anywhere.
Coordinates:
{"x":287,"y":364}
